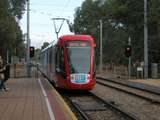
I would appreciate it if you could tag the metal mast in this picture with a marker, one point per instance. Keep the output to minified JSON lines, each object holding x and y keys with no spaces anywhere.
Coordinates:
{"x":145,"y":41}
{"x":129,"y":60}
{"x":101,"y":47}
{"x":28,"y":37}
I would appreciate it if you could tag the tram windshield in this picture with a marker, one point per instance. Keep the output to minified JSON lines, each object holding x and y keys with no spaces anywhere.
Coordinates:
{"x":79,"y":53}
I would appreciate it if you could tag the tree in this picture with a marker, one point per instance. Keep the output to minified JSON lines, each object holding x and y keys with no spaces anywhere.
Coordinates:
{"x":17,"y":7}
{"x":45,"y":44}
{"x":121,"y":19}
{"x":11,"y":35}
{"x":87,"y":22}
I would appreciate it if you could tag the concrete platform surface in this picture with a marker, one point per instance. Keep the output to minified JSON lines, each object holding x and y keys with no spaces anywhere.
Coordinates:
{"x":32,"y":99}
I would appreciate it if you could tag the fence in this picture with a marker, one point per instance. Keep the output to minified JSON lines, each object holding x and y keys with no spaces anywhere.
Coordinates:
{"x":136,"y":72}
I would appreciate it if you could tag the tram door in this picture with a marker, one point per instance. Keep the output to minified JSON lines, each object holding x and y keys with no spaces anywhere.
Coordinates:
{"x":60,"y":67}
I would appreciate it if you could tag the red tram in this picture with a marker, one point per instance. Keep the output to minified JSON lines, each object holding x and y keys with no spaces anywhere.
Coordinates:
{"x":70,"y":63}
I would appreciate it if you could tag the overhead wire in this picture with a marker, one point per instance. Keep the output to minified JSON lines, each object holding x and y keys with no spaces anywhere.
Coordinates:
{"x":65,"y":9}
{"x":65,"y":6}
{"x":43,"y":12}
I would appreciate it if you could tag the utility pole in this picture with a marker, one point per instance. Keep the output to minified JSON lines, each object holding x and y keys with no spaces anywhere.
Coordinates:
{"x":101,"y":45}
{"x":145,"y":41}
{"x":28,"y":39}
{"x":129,"y":60}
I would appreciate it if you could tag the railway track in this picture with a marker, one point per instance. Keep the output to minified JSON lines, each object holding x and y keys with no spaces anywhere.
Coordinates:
{"x":144,"y":94}
{"x":144,"y":105}
{"x":114,"y":103}
{"x":139,"y":86}
{"x":92,"y":107}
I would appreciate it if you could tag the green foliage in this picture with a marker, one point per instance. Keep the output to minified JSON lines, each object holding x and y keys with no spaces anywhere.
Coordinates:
{"x":45,"y":44}
{"x":86,"y":17}
{"x":17,"y":7}
{"x":11,"y":35}
{"x":121,"y":19}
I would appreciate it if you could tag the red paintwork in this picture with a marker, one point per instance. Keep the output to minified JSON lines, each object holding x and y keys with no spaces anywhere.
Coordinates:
{"x":65,"y":83}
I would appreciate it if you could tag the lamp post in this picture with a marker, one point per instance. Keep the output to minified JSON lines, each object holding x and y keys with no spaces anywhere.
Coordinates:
{"x":28,"y":38}
{"x":145,"y":41}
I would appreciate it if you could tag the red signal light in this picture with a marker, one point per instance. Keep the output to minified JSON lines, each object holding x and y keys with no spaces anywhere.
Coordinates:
{"x":31,"y":51}
{"x":128,"y":50}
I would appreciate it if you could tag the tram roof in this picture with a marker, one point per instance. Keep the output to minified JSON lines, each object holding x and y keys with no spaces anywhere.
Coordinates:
{"x":75,"y":37}
{"x":50,"y":45}
{"x":69,"y":37}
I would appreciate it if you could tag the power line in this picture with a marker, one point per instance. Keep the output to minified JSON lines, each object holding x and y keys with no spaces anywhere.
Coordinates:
{"x":58,"y":8}
{"x":67,"y":3}
{"x":59,"y":4}
{"x":49,"y":13}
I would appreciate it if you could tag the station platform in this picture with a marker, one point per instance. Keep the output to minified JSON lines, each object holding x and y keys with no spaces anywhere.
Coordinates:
{"x":152,"y":85}
{"x":32,"y":99}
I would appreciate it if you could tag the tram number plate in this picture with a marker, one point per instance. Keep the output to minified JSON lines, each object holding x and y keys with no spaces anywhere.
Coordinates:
{"x":80,"y":78}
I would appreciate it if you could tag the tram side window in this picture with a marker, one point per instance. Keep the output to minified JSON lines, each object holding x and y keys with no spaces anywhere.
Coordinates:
{"x":60,"y":60}
{"x":50,"y":58}
{"x":57,"y":59}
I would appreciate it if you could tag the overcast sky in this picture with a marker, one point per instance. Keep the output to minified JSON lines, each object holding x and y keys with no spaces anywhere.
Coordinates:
{"x":41,"y":13}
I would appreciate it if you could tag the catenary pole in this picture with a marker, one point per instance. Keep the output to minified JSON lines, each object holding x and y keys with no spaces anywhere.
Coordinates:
{"x":28,"y":38}
{"x":129,"y":61}
{"x":145,"y":41}
{"x":101,"y":45}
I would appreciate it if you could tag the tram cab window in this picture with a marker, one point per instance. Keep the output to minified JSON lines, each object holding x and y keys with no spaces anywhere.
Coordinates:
{"x":60,"y":61}
{"x":50,"y":57}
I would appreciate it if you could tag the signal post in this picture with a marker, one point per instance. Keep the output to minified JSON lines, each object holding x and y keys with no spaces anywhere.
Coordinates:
{"x":128,"y":53}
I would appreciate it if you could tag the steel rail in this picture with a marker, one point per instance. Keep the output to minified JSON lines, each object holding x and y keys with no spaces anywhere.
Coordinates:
{"x":129,"y":85}
{"x":107,"y":103}
{"x":80,"y":111}
{"x":128,"y":92}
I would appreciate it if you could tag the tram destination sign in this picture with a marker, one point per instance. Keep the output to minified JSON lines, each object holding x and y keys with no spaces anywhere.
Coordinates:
{"x":77,"y":44}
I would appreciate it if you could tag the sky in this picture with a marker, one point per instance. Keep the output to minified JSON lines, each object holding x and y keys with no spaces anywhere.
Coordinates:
{"x":41,"y":23}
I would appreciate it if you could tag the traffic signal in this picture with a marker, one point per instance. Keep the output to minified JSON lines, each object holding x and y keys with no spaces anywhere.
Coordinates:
{"x":31,"y":52}
{"x":128,"y":50}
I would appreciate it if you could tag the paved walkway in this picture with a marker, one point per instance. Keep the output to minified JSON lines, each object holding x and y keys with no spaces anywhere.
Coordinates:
{"x":32,"y":99}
